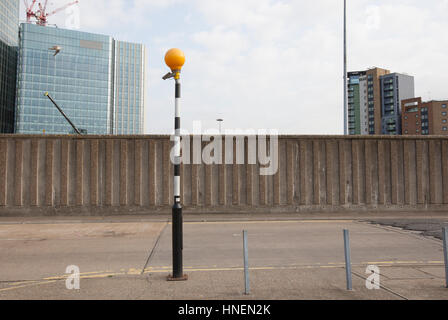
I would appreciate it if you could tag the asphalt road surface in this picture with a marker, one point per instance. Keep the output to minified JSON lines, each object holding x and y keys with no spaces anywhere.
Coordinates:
{"x":289,"y":257}
{"x":428,"y":227}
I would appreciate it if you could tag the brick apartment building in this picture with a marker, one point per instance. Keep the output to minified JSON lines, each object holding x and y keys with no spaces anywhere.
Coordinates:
{"x":424,"y":118}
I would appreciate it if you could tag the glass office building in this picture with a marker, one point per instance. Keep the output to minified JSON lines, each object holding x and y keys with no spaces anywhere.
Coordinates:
{"x":9,"y":30}
{"x":97,"y":81}
{"x":129,"y":73}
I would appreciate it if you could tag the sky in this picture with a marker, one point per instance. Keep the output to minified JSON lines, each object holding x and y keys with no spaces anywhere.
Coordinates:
{"x":270,"y":64}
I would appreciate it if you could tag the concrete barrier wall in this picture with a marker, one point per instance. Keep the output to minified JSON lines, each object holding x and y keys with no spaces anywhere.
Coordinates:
{"x":133,"y":174}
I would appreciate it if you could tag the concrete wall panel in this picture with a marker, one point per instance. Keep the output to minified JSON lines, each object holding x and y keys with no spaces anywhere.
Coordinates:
{"x":133,"y":173}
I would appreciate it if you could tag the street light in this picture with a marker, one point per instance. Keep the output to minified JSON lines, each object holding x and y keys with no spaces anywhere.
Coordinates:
{"x":220,"y":125}
{"x":175,"y":60}
{"x":345,"y":71}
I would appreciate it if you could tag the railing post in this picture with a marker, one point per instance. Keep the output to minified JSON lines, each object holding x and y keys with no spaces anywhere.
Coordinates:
{"x":348,"y":265}
{"x":445,"y":253}
{"x":246,"y":264}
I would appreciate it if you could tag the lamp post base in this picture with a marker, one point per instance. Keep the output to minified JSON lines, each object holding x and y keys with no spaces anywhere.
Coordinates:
{"x":183,"y":278}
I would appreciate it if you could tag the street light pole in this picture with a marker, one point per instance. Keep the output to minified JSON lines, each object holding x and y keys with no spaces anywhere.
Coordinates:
{"x":220,"y":125}
{"x":345,"y":70}
{"x":175,"y":59}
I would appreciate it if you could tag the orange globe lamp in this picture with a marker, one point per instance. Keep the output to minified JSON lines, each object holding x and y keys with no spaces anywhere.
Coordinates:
{"x":175,"y":59}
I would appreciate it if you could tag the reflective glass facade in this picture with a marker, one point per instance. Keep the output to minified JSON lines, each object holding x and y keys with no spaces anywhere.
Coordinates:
{"x":129,"y":91}
{"x":9,"y":26}
{"x":80,"y":78}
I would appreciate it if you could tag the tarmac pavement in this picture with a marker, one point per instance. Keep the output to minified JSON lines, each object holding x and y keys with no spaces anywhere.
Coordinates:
{"x":431,"y":227}
{"x":290,"y":257}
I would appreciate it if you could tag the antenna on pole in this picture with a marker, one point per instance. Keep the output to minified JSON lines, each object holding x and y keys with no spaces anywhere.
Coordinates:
{"x":345,"y":70}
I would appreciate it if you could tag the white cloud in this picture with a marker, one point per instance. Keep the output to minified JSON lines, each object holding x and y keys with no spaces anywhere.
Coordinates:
{"x":259,"y":67}
{"x":284,"y":62}
{"x":274,"y":63}
{"x":373,"y":17}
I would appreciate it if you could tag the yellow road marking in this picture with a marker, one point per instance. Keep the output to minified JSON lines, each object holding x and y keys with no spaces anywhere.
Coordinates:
{"x":269,"y":222}
{"x":29,"y":285}
{"x":81,"y":274}
{"x":164,"y":269}
{"x":23,"y":282}
{"x":314,"y":266}
{"x":105,"y":275}
{"x":58,"y":278}
{"x":403,"y":262}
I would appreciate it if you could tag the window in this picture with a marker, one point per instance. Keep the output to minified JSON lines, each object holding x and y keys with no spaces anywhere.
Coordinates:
{"x":444,"y":106}
{"x":444,"y":113}
{"x":405,"y":117}
{"x":444,"y":121}
{"x":406,"y":131}
{"x":445,"y":129}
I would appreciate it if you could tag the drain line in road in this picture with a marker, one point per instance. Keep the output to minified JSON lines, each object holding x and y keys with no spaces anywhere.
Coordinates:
{"x":154,"y":248}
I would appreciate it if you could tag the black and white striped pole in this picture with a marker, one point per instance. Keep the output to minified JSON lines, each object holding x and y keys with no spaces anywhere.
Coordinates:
{"x":175,"y":60}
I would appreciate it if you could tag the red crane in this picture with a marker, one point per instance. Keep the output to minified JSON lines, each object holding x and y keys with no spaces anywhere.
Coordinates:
{"x":41,"y":15}
{"x":29,"y":10}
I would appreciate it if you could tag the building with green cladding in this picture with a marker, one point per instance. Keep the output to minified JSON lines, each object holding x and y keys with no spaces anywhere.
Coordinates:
{"x":9,"y":31}
{"x":355,"y":82}
{"x":99,"y":82}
